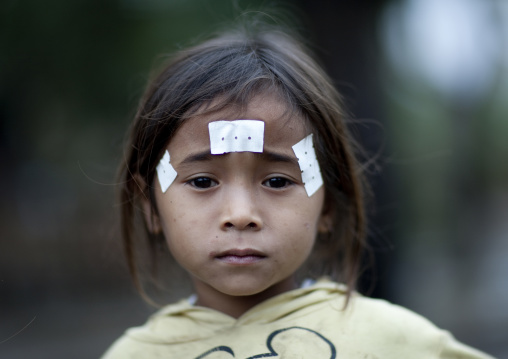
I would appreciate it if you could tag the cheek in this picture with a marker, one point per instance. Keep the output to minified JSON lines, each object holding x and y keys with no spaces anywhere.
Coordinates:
{"x":174,"y":222}
{"x":175,"y":210}
{"x":304,"y":230}
{"x":181,"y":248}
{"x":308,"y":219}
{"x":300,"y":233}
{"x":184,"y":224}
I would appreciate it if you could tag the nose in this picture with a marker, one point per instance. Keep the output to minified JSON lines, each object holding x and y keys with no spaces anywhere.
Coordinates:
{"x":240,"y":210}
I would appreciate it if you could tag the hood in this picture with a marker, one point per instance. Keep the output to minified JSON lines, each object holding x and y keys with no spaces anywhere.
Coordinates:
{"x":183,"y":322}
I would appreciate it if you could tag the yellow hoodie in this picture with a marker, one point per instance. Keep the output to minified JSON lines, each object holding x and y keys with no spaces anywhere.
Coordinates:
{"x":306,"y":323}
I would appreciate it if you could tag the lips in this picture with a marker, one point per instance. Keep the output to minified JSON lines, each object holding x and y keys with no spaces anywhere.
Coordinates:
{"x":240,"y":256}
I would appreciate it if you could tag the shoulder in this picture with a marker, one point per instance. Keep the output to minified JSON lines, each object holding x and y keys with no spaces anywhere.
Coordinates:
{"x":158,"y":329}
{"x":360,"y":310}
{"x":399,"y":332}
{"x":369,"y":325}
{"x":386,"y":314}
{"x":168,"y":331}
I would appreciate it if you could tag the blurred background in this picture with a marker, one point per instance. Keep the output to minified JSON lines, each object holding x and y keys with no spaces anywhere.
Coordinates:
{"x":427,"y":79}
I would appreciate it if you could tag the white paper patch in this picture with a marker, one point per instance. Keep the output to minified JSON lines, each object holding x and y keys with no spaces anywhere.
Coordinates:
{"x":307,"y":160}
{"x":236,"y":136}
{"x":165,"y":172}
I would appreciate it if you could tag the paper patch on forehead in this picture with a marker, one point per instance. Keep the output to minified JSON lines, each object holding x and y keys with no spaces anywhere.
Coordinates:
{"x":307,"y":160}
{"x":236,"y":136}
{"x":165,"y":172}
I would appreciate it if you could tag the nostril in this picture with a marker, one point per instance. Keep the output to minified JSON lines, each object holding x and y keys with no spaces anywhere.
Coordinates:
{"x":251,"y":225}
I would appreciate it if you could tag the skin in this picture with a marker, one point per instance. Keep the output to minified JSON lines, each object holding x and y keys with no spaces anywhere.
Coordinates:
{"x":241,"y":223}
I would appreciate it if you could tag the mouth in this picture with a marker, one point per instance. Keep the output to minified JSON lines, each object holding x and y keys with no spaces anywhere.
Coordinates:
{"x":240,"y":256}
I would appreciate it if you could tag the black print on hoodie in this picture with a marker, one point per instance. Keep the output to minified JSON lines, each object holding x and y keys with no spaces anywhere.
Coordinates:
{"x":283,"y":341}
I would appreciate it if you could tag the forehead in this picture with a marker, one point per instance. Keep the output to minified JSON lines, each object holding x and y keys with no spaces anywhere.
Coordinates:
{"x":283,"y":127}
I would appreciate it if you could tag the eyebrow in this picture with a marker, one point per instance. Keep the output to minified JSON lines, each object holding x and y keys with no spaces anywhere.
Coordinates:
{"x":265,"y":155}
{"x":197,"y":157}
{"x":278,"y":157}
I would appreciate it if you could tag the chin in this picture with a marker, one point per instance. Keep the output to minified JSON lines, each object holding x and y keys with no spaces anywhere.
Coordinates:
{"x":243,"y":289}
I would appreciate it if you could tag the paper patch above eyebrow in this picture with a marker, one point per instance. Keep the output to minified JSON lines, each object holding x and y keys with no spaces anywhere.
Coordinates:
{"x":309,"y":165}
{"x":165,"y":172}
{"x":236,"y":136}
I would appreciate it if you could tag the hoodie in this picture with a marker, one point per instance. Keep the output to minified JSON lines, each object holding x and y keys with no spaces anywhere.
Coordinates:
{"x":311,"y":322}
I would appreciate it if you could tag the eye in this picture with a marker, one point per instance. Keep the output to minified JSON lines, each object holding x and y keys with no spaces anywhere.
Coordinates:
{"x":202,"y":182}
{"x":277,"y":182}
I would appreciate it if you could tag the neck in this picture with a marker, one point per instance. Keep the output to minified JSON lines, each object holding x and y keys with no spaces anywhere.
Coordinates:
{"x":235,"y":306}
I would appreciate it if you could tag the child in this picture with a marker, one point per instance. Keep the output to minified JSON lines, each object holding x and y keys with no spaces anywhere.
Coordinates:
{"x":240,"y":161}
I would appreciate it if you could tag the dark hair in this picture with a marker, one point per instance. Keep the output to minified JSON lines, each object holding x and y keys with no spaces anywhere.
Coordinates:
{"x":230,"y":69}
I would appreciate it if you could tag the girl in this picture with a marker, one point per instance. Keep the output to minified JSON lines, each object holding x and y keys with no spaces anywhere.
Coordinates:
{"x":240,"y":161}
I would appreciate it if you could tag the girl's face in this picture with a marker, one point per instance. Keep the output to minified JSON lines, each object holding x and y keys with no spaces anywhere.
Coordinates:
{"x":240,"y":223}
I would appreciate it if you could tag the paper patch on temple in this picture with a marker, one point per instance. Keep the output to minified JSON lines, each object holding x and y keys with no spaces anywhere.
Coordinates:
{"x":165,"y":172}
{"x":236,"y":136}
{"x":307,"y":160}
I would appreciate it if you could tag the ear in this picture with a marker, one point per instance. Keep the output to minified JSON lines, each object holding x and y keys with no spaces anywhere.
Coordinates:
{"x":152,"y":221}
{"x":151,"y":218}
{"x":325,"y":223}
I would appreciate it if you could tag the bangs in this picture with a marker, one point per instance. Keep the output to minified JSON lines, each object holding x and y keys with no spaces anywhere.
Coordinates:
{"x":233,"y":104}
{"x":218,"y":77}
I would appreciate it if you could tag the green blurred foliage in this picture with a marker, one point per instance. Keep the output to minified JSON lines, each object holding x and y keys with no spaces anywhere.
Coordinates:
{"x":72,"y":71}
